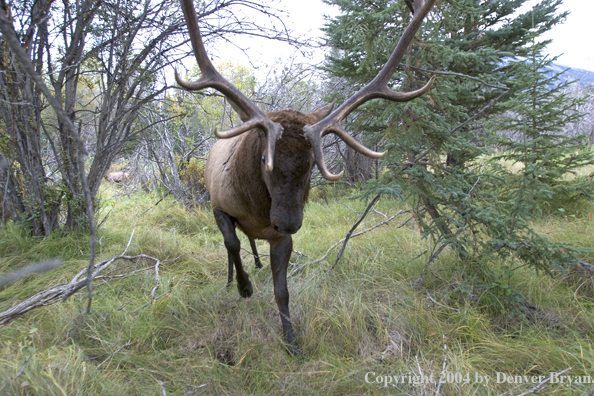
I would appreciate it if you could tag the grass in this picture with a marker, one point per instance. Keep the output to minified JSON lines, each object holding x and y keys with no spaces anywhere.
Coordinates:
{"x":365,"y":316}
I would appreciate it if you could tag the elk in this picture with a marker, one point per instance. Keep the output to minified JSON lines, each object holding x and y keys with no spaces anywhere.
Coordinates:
{"x":258,"y":173}
{"x":116,"y":177}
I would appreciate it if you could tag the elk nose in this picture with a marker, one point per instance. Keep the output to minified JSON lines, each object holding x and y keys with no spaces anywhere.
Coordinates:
{"x":286,"y":228}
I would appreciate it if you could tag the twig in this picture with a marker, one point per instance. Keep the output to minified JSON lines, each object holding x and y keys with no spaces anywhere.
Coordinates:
{"x":419,"y":366}
{"x":460,"y":75}
{"x":194,"y":389}
{"x":406,"y":165}
{"x":62,"y":292}
{"x":379,"y":213}
{"x":441,"y":305}
{"x":150,"y":302}
{"x":163,"y":391}
{"x":431,"y":259}
{"x":23,"y":366}
{"x":131,"y":235}
{"x":157,"y":280}
{"x":39,"y":267}
{"x":419,"y":255}
{"x":541,"y":386}
{"x":452,"y":285}
{"x":347,"y":206}
{"x":509,"y":391}
{"x":350,"y":233}
{"x":445,"y":363}
{"x":472,"y":188}
{"x":299,"y":268}
{"x":113,"y":354}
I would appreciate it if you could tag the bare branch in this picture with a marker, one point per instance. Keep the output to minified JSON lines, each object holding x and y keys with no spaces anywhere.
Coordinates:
{"x":468,"y":121}
{"x":446,"y":73}
{"x":300,"y":267}
{"x":61,"y":292}
{"x":194,"y":389}
{"x":350,"y":233}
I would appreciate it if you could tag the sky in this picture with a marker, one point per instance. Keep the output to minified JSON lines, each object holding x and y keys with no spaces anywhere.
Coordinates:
{"x":573,"y":41}
{"x":304,"y":18}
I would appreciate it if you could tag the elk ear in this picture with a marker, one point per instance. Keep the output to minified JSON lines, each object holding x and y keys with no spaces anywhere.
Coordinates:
{"x":322,"y":112}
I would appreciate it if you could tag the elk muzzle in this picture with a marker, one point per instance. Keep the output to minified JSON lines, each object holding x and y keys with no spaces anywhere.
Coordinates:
{"x":286,"y":220}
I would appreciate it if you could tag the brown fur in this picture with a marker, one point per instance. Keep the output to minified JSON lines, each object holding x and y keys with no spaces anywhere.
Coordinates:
{"x":235,"y":177}
{"x":116,"y":177}
{"x":264,"y":205}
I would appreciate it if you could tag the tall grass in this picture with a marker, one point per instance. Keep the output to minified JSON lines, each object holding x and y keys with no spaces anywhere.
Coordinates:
{"x":365,"y":316}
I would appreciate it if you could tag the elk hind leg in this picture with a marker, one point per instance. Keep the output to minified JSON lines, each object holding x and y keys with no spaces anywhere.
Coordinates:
{"x":226,"y":224}
{"x":255,"y":252}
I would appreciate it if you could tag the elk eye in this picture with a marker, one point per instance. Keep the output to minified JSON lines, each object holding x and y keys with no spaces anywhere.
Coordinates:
{"x":263,"y":159}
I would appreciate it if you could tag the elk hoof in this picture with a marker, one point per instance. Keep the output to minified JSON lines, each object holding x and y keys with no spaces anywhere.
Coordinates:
{"x":246,"y":290}
{"x":293,"y":349}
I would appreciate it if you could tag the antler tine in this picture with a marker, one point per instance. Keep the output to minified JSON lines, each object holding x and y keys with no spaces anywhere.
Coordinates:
{"x":249,"y":113}
{"x":377,"y":88}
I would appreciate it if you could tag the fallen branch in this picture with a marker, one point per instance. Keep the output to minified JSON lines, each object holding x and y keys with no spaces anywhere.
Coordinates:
{"x":62,"y":292}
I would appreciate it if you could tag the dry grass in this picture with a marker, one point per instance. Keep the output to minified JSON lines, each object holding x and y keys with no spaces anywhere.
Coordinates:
{"x":364,"y":316}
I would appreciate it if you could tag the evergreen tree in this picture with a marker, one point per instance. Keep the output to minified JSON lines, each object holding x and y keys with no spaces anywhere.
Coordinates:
{"x":539,"y":107}
{"x":436,"y":145}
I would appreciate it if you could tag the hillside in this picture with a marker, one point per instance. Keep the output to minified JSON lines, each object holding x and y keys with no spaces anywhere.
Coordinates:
{"x":581,"y":76}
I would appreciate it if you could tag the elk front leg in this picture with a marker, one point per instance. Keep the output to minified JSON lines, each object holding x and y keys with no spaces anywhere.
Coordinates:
{"x":230,"y":265}
{"x":255,"y":252}
{"x":280,"y":253}
{"x":226,"y":224}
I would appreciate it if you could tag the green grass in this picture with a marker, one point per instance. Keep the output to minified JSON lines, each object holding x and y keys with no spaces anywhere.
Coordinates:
{"x":364,"y":316}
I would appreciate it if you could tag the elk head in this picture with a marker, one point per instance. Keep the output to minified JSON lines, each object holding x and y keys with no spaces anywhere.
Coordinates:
{"x":289,"y":180}
{"x":253,"y":117}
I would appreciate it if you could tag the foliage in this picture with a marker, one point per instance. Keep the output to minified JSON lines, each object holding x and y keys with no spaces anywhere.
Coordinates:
{"x":532,"y":136}
{"x":437,"y":154}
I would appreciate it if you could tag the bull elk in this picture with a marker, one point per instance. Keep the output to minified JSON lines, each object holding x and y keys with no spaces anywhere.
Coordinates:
{"x":258,"y":173}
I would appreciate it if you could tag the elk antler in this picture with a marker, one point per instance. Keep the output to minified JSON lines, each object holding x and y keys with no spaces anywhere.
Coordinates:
{"x":251,"y":116}
{"x":377,"y":88}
